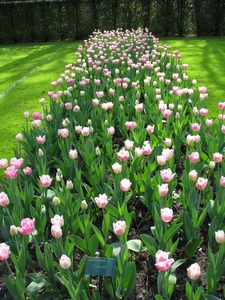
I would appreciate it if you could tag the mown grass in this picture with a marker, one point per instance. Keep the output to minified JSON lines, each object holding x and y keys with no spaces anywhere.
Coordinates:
{"x":39,"y":64}
{"x":26,"y":74}
{"x":206,"y":60}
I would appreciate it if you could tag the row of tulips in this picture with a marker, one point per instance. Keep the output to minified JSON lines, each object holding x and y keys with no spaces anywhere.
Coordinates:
{"x":123,"y":123}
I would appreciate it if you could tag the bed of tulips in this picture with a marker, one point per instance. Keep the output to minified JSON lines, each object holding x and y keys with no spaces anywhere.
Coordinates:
{"x":123,"y":124}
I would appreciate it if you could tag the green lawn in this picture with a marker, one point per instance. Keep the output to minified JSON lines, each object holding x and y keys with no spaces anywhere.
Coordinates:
{"x":27,"y":71}
{"x":206,"y":60}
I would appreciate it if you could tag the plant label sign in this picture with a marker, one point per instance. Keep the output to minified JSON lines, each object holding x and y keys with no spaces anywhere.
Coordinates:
{"x":100,"y":266}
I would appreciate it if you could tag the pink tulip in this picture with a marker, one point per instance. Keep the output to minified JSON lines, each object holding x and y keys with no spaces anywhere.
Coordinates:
{"x":163,"y":189}
{"x":45,"y":180}
{"x":4,"y":251}
{"x":161,"y":160}
{"x":193,"y":175}
{"x":162,"y":106}
{"x":147,"y":150}
{"x":111,"y":130}
{"x":26,"y":114}
{"x":202,"y":89}
{"x":123,"y":155}
{"x":73,"y":154}
{"x":85,"y":131}
{"x":168,"y":142}
{"x":36,"y":123}
{"x":19,"y":137}
{"x":101,"y":200}
{"x":78,"y":128}
{"x":167,"y":113}
{"x":3,"y":163}
{"x":220,"y":236}
{"x":150,"y":129}
{"x":63,"y":132}
{"x":128,"y":144}
{"x":195,"y":127}
{"x":201,"y":183}
{"x":68,"y":105}
{"x":26,"y":226}
{"x":97,"y":81}
{"x":4,"y":200}
{"x":222,"y":181}
{"x":190,"y":139}
{"x":11,"y":172}
{"x":125,"y":185}
{"x":70,"y":80}
{"x":37,"y":116}
{"x":139,"y":107}
{"x":27,"y":171}
{"x":100,"y":94}
{"x":95,"y":102}
{"x":208,"y":122}
{"x":111,"y":91}
{"x":221,"y":117}
{"x":194,"y":157}
{"x":203,"y":112}
{"x":57,"y":220}
{"x":40,"y":139}
{"x":56,"y":231}
{"x":130,"y":125}
{"x":65,"y":262}
{"x":168,"y":153}
{"x":221,"y":105}
{"x":138,"y":151}
{"x":16,"y":162}
{"x":166,"y":214}
{"x":194,"y":271}
{"x":119,"y":227}
{"x":167,"y":175}
{"x":42,"y":101}
{"x":48,"y":117}
{"x":117,"y":168}
{"x":76,"y":108}
{"x":217,"y":157}
{"x":223,"y":129}
{"x":117,"y":81}
{"x":163,"y":263}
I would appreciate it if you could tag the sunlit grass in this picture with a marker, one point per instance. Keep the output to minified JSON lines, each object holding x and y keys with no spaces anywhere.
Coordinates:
{"x":206,"y":60}
{"x":37,"y":65}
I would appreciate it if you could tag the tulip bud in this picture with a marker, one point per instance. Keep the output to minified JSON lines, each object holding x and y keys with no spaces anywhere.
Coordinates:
{"x":194,"y":271}
{"x":83,"y":205}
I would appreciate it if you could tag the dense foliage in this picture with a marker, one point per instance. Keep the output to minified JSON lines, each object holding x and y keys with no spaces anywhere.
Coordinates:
{"x":28,"y":21}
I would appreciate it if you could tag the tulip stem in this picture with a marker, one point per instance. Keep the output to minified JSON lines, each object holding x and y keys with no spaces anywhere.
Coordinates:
{"x":37,"y":246}
{"x":61,"y":245}
{"x":164,"y":288}
{"x":192,"y":289}
{"x":10,"y":271}
{"x":17,"y":245}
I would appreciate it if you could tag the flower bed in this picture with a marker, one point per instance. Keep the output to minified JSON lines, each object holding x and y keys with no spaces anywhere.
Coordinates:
{"x":121,"y":164}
